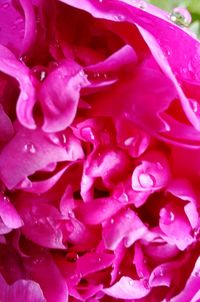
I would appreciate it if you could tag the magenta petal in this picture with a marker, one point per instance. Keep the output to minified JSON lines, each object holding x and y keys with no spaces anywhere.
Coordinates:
{"x":192,"y":286}
{"x":21,"y":290}
{"x":11,"y":66}
{"x":30,"y":24}
{"x":97,"y":210}
{"x":182,"y":189}
{"x":40,"y":187}
{"x":127,"y":288}
{"x":8,"y":213}
{"x":6,"y":128}
{"x":12,"y":27}
{"x":152,"y":174}
{"x":93,"y":262}
{"x":59,"y":95}
{"x":44,"y":220}
{"x":125,"y":225}
{"x":43,"y":270}
{"x":28,"y":152}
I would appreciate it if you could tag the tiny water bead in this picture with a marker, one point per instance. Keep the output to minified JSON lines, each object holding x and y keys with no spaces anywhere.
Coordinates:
{"x":142,"y":5}
{"x":88,"y":133}
{"x":131,"y":282}
{"x":130,"y":141}
{"x":29,"y":148}
{"x":112,"y":221}
{"x":167,"y":216}
{"x":195,"y":106}
{"x":181,"y":16}
{"x":147,"y":180}
{"x":5,"y":5}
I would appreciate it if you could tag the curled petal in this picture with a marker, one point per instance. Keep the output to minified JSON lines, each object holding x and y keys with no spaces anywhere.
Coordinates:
{"x":126,"y":226}
{"x":152,"y":174}
{"x":59,"y":96}
{"x":127,"y":288}
{"x":21,"y":290}
{"x":27,"y":97}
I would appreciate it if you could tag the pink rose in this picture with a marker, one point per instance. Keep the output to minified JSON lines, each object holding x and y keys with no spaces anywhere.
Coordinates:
{"x":99,"y":159}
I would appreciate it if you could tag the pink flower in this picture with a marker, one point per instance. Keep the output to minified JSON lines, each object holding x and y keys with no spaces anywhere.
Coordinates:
{"x":99,"y":152}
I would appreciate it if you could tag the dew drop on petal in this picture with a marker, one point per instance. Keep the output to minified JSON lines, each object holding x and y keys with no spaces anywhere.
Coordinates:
{"x":64,"y":139}
{"x":146,"y":180}
{"x":131,"y":282}
{"x":23,"y":58}
{"x":123,"y":197}
{"x":161,"y":273}
{"x":195,"y":106}
{"x":42,"y":75}
{"x":5,"y":5}
{"x":6,"y":199}
{"x":119,"y":17}
{"x":54,"y":138}
{"x":112,"y":220}
{"x":167,"y":216}
{"x":197,"y":273}
{"x":129,"y":141}
{"x":87,"y":133}
{"x":181,"y":16}
{"x":159,"y":166}
{"x":30,"y":148}
{"x":146,"y":284}
{"x":72,"y":257}
{"x":196,"y":232}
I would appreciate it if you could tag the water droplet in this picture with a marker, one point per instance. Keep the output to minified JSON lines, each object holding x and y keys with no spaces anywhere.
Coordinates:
{"x":197,"y":273}
{"x":196,"y":232}
{"x":23,"y":58}
{"x":64,"y":139}
{"x":99,"y":259}
{"x":119,"y":17}
{"x":54,"y":138}
{"x":6,"y":199}
{"x":195,"y":106}
{"x":146,"y":180}
{"x":124,"y":198}
{"x":159,"y":166}
{"x":142,"y":5}
{"x":42,"y":75}
{"x":88,"y":133}
{"x":30,"y":148}
{"x":129,"y":141}
{"x":101,"y":1}
{"x":181,"y":16}
{"x":140,"y":275}
{"x":36,"y":261}
{"x":131,"y":282}
{"x":112,"y":220}
{"x":161,"y":273}
{"x":146,"y":283}
{"x":19,"y":20}
{"x":167,"y":216}
{"x":5,"y":5}
{"x":82,"y":73}
{"x":72,"y":257}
